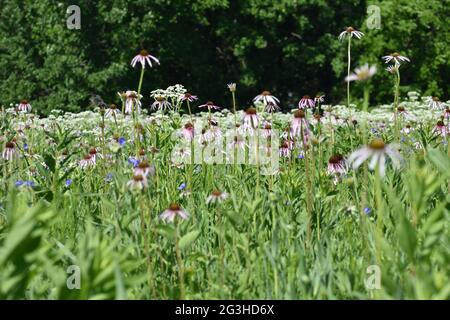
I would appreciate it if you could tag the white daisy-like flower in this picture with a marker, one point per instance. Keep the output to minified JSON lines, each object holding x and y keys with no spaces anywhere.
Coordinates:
{"x":350,"y":32}
{"x":161,"y":103}
{"x":24,"y":106}
{"x":144,"y":58}
{"x":435,"y":104}
{"x":396,"y":57}
{"x":266,"y":97}
{"x":362,"y":73}
{"x":377,"y":151}
{"x":173,"y":212}
{"x":216,"y":197}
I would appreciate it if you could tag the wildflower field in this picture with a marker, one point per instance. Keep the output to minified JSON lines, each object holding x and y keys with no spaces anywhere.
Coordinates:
{"x":164,"y":194}
{"x":76,"y":191}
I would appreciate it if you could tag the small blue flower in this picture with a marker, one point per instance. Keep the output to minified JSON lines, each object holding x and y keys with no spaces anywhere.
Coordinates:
{"x":133,"y":161}
{"x":19,"y":183}
{"x":25,"y":147}
{"x":68,"y":182}
{"x":122,"y":141}
{"x":182,"y":186}
{"x":367,"y":211}
{"x":29,"y":184}
{"x":300,"y":156}
{"x":109,"y":177}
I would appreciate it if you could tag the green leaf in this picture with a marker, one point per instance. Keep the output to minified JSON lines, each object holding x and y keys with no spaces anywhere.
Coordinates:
{"x":188,"y":239}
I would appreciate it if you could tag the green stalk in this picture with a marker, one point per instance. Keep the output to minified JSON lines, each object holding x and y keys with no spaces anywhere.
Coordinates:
{"x":189,"y":109}
{"x":348,"y":69}
{"x":396,"y":102}
{"x":144,"y":231}
{"x":179,"y":263}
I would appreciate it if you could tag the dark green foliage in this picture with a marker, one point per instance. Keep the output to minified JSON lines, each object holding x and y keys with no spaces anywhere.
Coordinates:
{"x":289,"y":47}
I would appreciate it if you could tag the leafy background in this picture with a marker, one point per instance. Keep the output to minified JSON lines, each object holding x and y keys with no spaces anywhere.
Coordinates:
{"x":289,"y":47}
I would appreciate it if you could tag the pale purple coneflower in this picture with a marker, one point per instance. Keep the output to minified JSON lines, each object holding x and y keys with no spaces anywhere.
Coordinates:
{"x":392,"y":69}
{"x":86,"y":162}
{"x":298,"y":123}
{"x":161,"y":103}
{"x":188,"y":131}
{"x":396,"y":57}
{"x":306,"y":102}
{"x":377,"y":151}
{"x":267,"y":130}
{"x":350,"y":32}
{"x":188,"y":97}
{"x":9,"y":152}
{"x":266,"y":97}
{"x":232,"y":87}
{"x":362,"y":73}
{"x":210,"y":105}
{"x":285,"y":150}
{"x":138,"y":182}
{"x":216,"y":197}
{"x":213,"y":132}
{"x":113,"y":110}
{"x":435,"y":104}
{"x":401,"y":110}
{"x":447,"y":113}
{"x":271,"y":107}
{"x":24,"y":106}
{"x":440,"y":128}
{"x":94,"y":154}
{"x":144,"y":169}
{"x":181,"y":154}
{"x":144,"y":58}
{"x":319,"y":98}
{"x":132,"y":99}
{"x":336,"y":165}
{"x":250,"y":119}
{"x":407,"y":129}
{"x":239,"y":142}
{"x":173,"y":212}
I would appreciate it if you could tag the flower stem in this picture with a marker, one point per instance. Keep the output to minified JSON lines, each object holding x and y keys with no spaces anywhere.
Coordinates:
{"x":348,"y":70}
{"x":180,"y":263}
{"x":189,"y":109}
